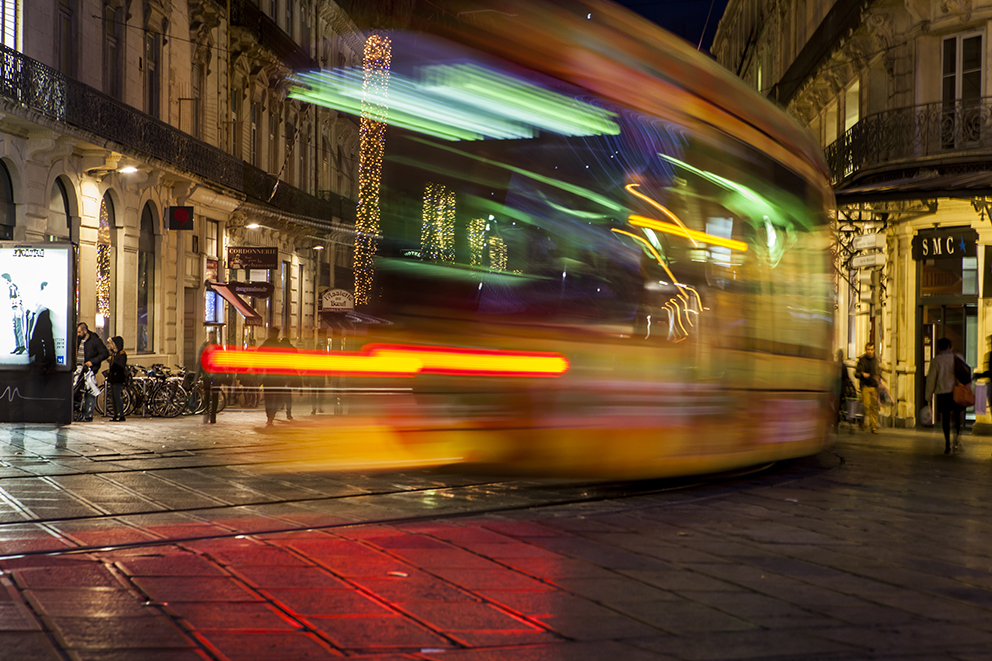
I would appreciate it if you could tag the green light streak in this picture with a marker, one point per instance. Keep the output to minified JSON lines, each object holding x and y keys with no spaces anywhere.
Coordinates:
{"x":459,"y":102}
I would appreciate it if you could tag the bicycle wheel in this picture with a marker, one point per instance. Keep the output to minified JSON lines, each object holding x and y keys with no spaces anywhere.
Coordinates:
{"x":194,"y":403}
{"x":158,"y":400}
{"x":221,"y":400}
{"x":177,"y":401}
{"x":101,"y":401}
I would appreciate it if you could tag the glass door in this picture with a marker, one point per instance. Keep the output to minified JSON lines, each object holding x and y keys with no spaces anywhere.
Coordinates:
{"x":959,"y":324}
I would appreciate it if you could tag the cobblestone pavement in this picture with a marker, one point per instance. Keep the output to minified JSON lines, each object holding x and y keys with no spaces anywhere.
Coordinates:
{"x":159,"y":539}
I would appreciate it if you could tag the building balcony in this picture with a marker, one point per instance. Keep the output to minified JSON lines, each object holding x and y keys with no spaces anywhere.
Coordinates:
{"x":268,"y":34}
{"x":31,"y":89}
{"x":896,"y":145}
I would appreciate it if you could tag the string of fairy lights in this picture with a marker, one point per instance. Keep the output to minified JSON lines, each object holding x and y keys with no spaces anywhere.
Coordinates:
{"x":103,"y":250}
{"x":476,"y":240}
{"x":437,"y":231}
{"x":372,"y":144}
{"x":497,"y":254}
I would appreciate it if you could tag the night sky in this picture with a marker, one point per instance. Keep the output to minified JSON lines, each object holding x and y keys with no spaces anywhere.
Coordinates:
{"x":685,"y":18}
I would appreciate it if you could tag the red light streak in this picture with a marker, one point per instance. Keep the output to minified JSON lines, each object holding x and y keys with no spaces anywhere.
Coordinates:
{"x":385,"y":360}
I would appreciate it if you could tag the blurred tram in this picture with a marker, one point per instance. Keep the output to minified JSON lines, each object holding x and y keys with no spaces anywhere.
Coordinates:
{"x":565,"y":179}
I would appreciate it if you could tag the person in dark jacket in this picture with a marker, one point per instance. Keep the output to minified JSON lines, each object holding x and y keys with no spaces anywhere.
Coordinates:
{"x":867,"y":372}
{"x":274,"y":386}
{"x":211,"y":382}
{"x":118,"y":377}
{"x":291,"y":381}
{"x":91,"y":351}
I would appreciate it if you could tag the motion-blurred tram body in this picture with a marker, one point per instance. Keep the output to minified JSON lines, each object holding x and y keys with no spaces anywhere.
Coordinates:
{"x":566,"y":179}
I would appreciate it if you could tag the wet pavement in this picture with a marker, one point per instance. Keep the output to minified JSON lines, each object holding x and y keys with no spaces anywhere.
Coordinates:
{"x":168,"y":539}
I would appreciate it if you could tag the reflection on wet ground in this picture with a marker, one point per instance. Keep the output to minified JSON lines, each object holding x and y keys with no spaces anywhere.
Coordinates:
{"x":879,"y":546}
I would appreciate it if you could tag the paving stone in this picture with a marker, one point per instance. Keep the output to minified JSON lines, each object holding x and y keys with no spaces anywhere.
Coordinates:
{"x":199,"y":588}
{"x":82,"y":574}
{"x":598,"y":628}
{"x":536,"y":604}
{"x":240,"y":616}
{"x":568,"y":651}
{"x":246,"y":646}
{"x":683,"y":616}
{"x":289,"y":577}
{"x":614,"y":589}
{"x":371,"y":633}
{"x":169,"y":564}
{"x":94,"y":602}
{"x":753,"y":644}
{"x":142,"y":655}
{"x":116,"y":633}
{"x":15,"y":617}
{"x":27,"y":646}
{"x":327,"y":602}
{"x":464,"y":615}
{"x":481,"y":579}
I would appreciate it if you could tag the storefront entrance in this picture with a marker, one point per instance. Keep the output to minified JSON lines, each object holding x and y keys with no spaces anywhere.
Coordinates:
{"x":947,"y":299}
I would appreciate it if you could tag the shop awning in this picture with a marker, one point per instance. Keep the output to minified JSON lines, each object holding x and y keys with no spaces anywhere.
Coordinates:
{"x":252,"y":318}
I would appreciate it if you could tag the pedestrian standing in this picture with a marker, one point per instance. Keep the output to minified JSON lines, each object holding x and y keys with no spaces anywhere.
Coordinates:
{"x":867,"y":371}
{"x":211,"y":382}
{"x":292,"y":381}
{"x":117,"y":377}
{"x":273,"y":385}
{"x":940,"y":382}
{"x":91,"y":351}
{"x":318,"y":383}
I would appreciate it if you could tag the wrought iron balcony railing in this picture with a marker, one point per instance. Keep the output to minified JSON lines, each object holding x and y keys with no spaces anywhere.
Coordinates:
{"x":928,"y":132}
{"x":31,"y":85}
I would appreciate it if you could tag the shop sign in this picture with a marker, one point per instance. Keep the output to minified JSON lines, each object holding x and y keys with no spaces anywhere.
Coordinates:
{"x":180,"y":218}
{"x":253,"y":289}
{"x":337,"y":300}
{"x":251,"y":257}
{"x":945,"y":244}
{"x":867,"y":261}
{"x":869,"y":241}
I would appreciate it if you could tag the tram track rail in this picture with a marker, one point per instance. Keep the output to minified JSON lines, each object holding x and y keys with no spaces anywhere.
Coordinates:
{"x":563,"y":495}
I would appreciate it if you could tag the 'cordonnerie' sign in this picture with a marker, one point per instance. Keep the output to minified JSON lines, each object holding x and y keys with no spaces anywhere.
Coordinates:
{"x":952,"y":243}
{"x":251,"y":257}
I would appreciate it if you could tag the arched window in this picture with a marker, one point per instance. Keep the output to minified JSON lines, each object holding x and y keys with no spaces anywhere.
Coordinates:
{"x":105,"y":270}
{"x":59,"y":216}
{"x":8,"y":216}
{"x":146,"y":281}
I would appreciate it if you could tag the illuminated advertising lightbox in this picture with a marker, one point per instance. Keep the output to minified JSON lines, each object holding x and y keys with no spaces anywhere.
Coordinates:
{"x":35,"y":304}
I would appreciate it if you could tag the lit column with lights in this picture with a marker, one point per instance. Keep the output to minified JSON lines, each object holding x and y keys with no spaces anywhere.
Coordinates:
{"x":372,"y":137}
{"x":497,"y":254}
{"x":437,"y":232}
{"x":477,"y":240}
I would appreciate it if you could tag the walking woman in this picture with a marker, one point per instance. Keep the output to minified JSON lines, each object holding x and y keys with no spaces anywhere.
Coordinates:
{"x":940,"y":382}
{"x":118,"y":377}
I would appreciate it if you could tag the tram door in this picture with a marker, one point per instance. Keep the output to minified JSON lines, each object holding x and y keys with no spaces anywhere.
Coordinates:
{"x":959,"y":324}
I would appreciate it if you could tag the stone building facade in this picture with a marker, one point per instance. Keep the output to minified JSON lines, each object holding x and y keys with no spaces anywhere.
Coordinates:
{"x":898,"y":95}
{"x":114,"y":111}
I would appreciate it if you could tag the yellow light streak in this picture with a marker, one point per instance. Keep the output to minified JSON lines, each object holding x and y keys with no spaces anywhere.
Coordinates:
{"x":660,"y":226}
{"x":654,"y":253}
{"x":661,"y":208}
